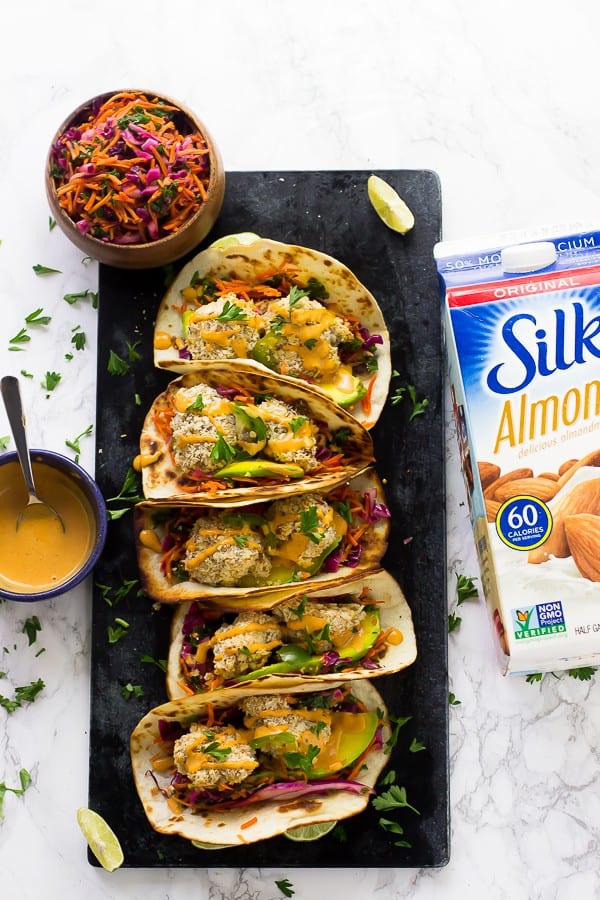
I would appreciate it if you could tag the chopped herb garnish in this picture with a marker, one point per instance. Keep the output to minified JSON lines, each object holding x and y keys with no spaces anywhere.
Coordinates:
{"x":398,"y":722}
{"x":452,"y":699}
{"x":82,"y":295}
{"x":240,"y":539}
{"x":21,"y":337}
{"x":453,"y":622}
{"x":296,"y":760}
{"x":117,"y":631}
{"x":23,"y":694}
{"x":160,"y":663}
{"x":213,"y":749}
{"x":51,"y":380}
{"x":309,"y":523}
{"x":51,"y":223}
{"x":418,"y":406}
{"x":26,"y":374}
{"x":117,"y":365}
{"x":394,"y":798}
{"x":465,"y":589}
{"x":31,"y":627}
{"x":74,"y":444}
{"x":416,"y":746}
{"x":132,"y":354}
{"x":129,"y":493}
{"x":584,"y":673}
{"x":35,"y":318}
{"x":137,"y":399}
{"x":197,"y":405}
{"x":222,"y":451}
{"x":4,"y":441}
{"x":285,"y":886}
{"x":44,"y":270}
{"x":297,"y":422}
{"x":231,"y":313}
{"x":533,"y":677}
{"x":131,"y":690}
{"x":78,"y":338}
{"x":25,"y":780}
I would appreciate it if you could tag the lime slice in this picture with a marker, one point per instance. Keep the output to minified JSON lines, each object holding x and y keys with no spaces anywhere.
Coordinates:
{"x":102,"y":840}
{"x":310,"y":832}
{"x":202,"y":846}
{"x":228,"y":240}
{"x":388,"y":205}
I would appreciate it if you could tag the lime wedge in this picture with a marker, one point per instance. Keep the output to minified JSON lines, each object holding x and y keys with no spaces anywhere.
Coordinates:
{"x":102,"y":840}
{"x":229,"y":240}
{"x":388,"y":205}
{"x":202,"y":846}
{"x":310,"y":832}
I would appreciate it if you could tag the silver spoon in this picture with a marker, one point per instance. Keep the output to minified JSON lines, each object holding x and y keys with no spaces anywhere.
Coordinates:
{"x":11,"y":395}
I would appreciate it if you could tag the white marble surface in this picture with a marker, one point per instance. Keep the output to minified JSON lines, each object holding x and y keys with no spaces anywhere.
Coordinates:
{"x":503,"y":105}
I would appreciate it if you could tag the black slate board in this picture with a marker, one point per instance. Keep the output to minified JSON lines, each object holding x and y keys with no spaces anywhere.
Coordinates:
{"x":328,"y":211}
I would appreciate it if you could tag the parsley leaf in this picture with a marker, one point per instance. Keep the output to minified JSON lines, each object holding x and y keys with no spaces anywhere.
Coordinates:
{"x":74,"y":444}
{"x":309,"y":523}
{"x":21,"y":337}
{"x":452,"y":699}
{"x":78,"y":338}
{"x":25,"y":693}
{"x":35,"y":318}
{"x":51,"y":380}
{"x":129,"y":493}
{"x":286,"y":888}
{"x":31,"y":627}
{"x":296,"y":760}
{"x":416,"y":746}
{"x":231,"y":313}
{"x":398,"y":722}
{"x":160,"y":663}
{"x":584,"y":673}
{"x":453,"y":622}
{"x":222,"y":451}
{"x":44,"y":270}
{"x":117,"y":365}
{"x":465,"y":589}
{"x":25,"y":780}
{"x":394,"y":798}
{"x":4,"y":441}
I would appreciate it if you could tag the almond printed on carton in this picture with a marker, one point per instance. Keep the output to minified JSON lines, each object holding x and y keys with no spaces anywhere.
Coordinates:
{"x":522,"y":319}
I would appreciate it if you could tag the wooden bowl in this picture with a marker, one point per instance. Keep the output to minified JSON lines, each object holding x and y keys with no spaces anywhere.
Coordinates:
{"x":147,"y":253}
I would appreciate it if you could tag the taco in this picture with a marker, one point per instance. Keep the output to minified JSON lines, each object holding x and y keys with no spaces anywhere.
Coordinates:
{"x":314,"y":539}
{"x":236,"y":768}
{"x":360,"y":629}
{"x":290,"y":309}
{"x":228,"y":434}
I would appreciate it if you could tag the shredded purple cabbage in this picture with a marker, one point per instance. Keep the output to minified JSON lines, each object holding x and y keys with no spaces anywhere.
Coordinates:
{"x":169,"y":730}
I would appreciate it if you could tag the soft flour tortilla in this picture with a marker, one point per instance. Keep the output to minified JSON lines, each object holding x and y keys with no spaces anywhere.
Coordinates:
{"x":246,"y":262}
{"x":149,"y":516}
{"x":160,"y":478}
{"x":273,"y":817}
{"x":394,"y":612}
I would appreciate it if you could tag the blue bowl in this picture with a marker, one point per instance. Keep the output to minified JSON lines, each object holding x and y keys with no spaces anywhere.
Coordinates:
{"x":96,"y":511}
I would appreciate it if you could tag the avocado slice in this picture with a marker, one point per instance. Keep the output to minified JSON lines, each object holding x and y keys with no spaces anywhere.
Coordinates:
{"x":259,"y":468}
{"x":185,"y":320}
{"x":336,"y":755}
{"x":293,"y":658}
{"x":345,"y":389}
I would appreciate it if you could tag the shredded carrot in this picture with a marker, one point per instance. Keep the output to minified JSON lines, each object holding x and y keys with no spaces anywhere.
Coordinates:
{"x":249,"y":822}
{"x":366,"y":400}
{"x":125,"y":173}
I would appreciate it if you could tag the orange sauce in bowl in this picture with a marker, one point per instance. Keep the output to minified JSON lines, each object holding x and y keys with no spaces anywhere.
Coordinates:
{"x":40,"y":555}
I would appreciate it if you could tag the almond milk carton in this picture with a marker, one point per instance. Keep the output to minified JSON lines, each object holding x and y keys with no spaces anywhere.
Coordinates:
{"x":522,"y":326}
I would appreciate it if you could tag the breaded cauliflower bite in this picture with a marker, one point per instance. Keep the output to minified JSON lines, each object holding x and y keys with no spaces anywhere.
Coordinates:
{"x":343,"y":620}
{"x":306,"y":516}
{"x":304,"y":314}
{"x":213,"y":756}
{"x":196,"y":431}
{"x":291,"y":437}
{"x":219,"y":553}
{"x":227,"y":328}
{"x":270,"y":715}
{"x":246,"y":644}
